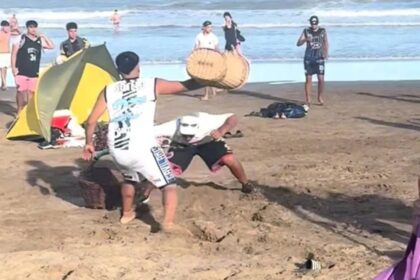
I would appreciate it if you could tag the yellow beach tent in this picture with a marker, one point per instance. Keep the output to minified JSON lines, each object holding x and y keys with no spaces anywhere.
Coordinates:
{"x":73,"y":85}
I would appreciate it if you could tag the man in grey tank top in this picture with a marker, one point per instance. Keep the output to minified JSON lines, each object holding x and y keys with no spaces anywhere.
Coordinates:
{"x":316,"y":53}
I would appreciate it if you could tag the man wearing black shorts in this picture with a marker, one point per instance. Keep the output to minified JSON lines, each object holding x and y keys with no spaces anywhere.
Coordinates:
{"x":315,"y":55}
{"x":202,"y":134}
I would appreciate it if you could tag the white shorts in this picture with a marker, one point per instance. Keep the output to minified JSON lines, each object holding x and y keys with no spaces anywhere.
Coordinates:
{"x":5,"y":60}
{"x":150,"y":164}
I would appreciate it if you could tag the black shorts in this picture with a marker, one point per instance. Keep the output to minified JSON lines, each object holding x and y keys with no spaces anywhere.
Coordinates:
{"x":314,"y":66}
{"x":180,"y":156}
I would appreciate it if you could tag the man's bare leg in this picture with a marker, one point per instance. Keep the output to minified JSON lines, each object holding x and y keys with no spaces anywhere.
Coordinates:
{"x":127,"y":194}
{"x":320,"y":89}
{"x":3,"y":72}
{"x":21,"y":100}
{"x":213,"y":91}
{"x":308,"y":88}
{"x":29,"y":96}
{"x":169,"y":202}
{"x":235,"y":167}
{"x":238,"y":171}
{"x":206,"y":94}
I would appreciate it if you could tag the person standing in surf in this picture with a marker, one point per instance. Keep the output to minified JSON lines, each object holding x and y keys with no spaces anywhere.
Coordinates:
{"x":14,"y":29}
{"x":316,"y":53}
{"x":232,"y":35}
{"x":116,"y":20}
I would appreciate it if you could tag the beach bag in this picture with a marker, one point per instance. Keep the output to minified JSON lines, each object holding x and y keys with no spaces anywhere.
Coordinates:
{"x":290,"y":110}
{"x":239,"y":36}
{"x":100,"y":187}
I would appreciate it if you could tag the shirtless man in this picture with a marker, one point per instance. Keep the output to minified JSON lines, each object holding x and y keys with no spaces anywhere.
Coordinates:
{"x":131,"y":104}
{"x":14,"y":29}
{"x":4,"y":52}
{"x":26,"y":59}
{"x":116,"y":19}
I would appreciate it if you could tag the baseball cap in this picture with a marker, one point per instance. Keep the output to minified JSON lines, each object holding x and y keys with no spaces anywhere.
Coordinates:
{"x":31,"y":23}
{"x":4,"y":23}
{"x":188,"y":125}
{"x":126,"y":61}
{"x":71,"y":25}
{"x":314,"y":20}
{"x":206,"y":23}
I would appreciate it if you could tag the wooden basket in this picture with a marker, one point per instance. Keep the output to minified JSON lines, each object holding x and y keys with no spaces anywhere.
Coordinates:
{"x":100,"y":187}
{"x":206,"y":65}
{"x":237,"y":71}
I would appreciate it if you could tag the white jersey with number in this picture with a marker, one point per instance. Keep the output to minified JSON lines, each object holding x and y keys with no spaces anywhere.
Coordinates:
{"x":131,"y":107}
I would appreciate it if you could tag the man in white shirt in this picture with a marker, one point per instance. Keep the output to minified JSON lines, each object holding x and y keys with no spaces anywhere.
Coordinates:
{"x":131,"y":104}
{"x":207,"y":40}
{"x":202,"y":134}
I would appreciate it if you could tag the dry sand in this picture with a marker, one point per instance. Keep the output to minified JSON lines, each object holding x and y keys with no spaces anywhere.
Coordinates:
{"x":338,"y":183}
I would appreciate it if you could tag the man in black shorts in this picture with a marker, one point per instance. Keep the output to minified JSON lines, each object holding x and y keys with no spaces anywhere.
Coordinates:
{"x":315,"y":55}
{"x":202,"y":134}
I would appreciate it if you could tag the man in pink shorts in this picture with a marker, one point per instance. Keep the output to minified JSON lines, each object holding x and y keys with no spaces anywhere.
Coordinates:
{"x":26,"y":58}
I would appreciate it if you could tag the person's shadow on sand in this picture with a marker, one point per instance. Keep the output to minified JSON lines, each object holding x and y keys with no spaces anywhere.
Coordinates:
{"x":58,"y":180}
{"x":369,"y":212}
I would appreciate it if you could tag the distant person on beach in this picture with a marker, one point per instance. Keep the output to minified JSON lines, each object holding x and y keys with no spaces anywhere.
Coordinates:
{"x":131,"y":105}
{"x":26,"y":58}
{"x":233,"y":36}
{"x":116,"y":20}
{"x":316,"y":53}
{"x":5,"y":57}
{"x":14,"y":29}
{"x":206,"y":39}
{"x":73,"y":43}
{"x":202,"y":134}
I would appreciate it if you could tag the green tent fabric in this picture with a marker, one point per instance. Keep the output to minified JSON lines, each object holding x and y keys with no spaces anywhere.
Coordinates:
{"x":74,"y":85}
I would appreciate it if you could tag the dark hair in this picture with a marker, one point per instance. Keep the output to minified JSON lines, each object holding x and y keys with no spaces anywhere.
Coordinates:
{"x":227,"y":14}
{"x":31,"y":23}
{"x":71,"y":25}
{"x":126,"y":61}
{"x":314,"y":18}
{"x":4,"y":23}
{"x":206,"y":23}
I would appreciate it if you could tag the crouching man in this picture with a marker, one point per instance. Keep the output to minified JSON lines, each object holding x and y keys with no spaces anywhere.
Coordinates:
{"x":201,"y":134}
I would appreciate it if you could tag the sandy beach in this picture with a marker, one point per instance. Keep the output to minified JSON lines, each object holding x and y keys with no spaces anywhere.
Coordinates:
{"x":338,"y":183}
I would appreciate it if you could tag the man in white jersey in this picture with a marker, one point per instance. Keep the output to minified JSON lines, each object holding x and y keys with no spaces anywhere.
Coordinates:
{"x":131,"y":105}
{"x":207,"y":40}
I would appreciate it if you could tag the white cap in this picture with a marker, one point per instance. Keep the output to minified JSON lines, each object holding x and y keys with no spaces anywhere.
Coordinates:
{"x":188,"y":125}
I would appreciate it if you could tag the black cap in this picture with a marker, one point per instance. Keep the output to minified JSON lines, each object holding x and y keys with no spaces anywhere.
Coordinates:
{"x":31,"y":23}
{"x":126,"y":61}
{"x":71,"y":25}
{"x":4,"y":23}
{"x":206,"y":23}
{"x":314,"y":19}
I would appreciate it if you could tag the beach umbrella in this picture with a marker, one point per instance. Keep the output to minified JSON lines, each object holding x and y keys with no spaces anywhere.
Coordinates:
{"x":73,"y":85}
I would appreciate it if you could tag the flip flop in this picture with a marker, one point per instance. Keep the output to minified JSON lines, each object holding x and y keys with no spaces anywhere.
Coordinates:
{"x":238,"y":134}
{"x":228,"y":135}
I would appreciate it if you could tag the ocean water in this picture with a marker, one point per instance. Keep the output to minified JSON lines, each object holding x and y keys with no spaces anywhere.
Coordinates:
{"x":385,"y":34}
